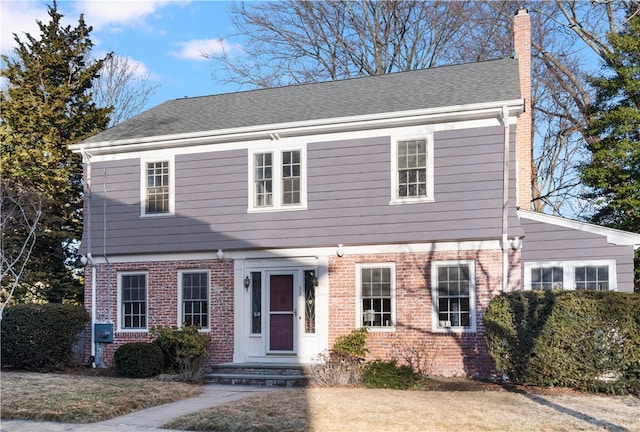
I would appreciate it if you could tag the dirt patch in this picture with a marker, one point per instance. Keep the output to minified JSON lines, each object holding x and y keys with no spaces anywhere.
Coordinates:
{"x":461,"y":384}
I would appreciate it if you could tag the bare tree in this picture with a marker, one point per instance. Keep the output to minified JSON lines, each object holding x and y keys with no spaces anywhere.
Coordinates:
{"x":123,"y":85}
{"x":20,"y":212}
{"x":307,"y":41}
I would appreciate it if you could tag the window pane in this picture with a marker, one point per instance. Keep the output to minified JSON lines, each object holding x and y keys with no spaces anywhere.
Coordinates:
{"x":256,"y":302}
{"x":157,"y":193}
{"x":195,"y":299}
{"x":309,"y":302}
{"x":133,"y":295}
{"x":453,"y":295}
{"x":412,"y":168}
{"x":376,"y":295}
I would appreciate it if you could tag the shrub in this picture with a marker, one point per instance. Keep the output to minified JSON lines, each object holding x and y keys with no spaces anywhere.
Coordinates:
{"x":390,"y":375}
{"x":334,"y":371}
{"x":352,"y":344}
{"x":418,"y":351}
{"x":184,"y":350}
{"x":582,"y":339}
{"x":40,"y":337}
{"x":138,"y":360}
{"x":343,"y":364}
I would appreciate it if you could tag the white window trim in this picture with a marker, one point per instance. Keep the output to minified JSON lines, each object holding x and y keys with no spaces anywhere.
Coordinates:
{"x":359,"y":311}
{"x":143,"y":184}
{"x":568,"y":271}
{"x":428,"y":135}
{"x":435,"y":323}
{"x":180,"y":318}
{"x":277,"y":151}
{"x":120,"y":311}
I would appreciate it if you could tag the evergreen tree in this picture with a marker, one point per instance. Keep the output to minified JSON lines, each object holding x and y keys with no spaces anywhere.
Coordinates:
{"x":613,"y":172}
{"x":46,"y":106}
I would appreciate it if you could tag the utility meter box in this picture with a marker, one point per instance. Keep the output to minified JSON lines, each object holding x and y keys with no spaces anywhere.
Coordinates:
{"x":103,"y":332}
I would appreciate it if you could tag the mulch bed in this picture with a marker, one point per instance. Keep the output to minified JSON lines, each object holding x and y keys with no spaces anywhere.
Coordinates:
{"x":467,"y":385}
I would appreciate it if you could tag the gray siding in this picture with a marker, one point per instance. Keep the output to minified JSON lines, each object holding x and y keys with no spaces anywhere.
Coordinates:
{"x":547,"y":242}
{"x":348,"y":199}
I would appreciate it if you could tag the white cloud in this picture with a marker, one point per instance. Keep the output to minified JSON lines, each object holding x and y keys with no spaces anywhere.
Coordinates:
{"x":113,"y":15}
{"x":19,"y":18}
{"x":195,"y":49}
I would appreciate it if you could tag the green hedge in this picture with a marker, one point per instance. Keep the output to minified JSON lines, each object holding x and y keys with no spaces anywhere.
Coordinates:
{"x":581,"y":339}
{"x":40,"y":337}
{"x":138,"y":360}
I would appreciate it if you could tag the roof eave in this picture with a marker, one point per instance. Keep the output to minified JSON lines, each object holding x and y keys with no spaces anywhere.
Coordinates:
{"x":290,"y":129}
{"x":614,"y":236}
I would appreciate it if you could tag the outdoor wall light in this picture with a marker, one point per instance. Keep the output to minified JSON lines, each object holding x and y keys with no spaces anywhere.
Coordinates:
{"x":83,"y":260}
{"x":314,"y":281}
{"x":516,"y":243}
{"x":220,"y":254}
{"x":340,"y":250}
{"x":247,"y":283}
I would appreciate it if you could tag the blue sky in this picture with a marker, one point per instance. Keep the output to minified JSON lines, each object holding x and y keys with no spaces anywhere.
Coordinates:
{"x":165,"y":39}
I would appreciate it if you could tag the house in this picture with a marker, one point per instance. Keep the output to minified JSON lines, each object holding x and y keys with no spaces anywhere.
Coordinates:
{"x":279,"y":219}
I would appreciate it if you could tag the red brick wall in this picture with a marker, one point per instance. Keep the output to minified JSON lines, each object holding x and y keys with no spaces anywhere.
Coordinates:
{"x":449,"y":353}
{"x":162,"y":302}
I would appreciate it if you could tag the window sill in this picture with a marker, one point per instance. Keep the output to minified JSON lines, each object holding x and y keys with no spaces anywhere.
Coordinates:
{"x":389,"y":329}
{"x":453,"y":330}
{"x":157,"y":215}
{"x":399,"y":201}
{"x":276,"y":209}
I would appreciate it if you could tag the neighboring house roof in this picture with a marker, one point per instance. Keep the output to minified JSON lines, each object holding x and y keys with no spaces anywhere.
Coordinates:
{"x":446,"y":86}
{"x":614,"y":236}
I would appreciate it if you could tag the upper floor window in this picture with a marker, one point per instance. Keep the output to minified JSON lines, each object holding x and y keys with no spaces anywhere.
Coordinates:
{"x":194,"y":298}
{"x":453,"y":293}
{"x":133,"y":301}
{"x":376,"y":295}
{"x":412,"y":166}
{"x":278,"y":180}
{"x":597,"y":275}
{"x":157,"y":187}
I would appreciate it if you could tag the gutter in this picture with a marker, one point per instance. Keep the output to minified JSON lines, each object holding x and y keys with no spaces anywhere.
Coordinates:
{"x":310,"y":127}
{"x":86,"y":160}
{"x":504,"y":116}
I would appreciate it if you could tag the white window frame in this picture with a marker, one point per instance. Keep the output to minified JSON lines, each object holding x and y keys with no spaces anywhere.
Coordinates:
{"x":429,"y":197}
{"x":143,"y":184}
{"x":180,"y":319}
{"x":435,"y":322}
{"x":359,"y":311}
{"x":277,"y":179}
{"x":568,"y":271}
{"x":121,"y":327}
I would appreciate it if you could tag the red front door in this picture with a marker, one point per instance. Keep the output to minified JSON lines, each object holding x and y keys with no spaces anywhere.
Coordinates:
{"x":281,"y":312}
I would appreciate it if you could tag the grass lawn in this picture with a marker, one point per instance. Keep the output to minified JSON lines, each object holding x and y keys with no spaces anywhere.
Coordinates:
{"x":458,"y":405}
{"x":357,"y":409}
{"x":82,"y":399}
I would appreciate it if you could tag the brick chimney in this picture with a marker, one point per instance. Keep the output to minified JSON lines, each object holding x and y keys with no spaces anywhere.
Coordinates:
{"x":524,"y":138}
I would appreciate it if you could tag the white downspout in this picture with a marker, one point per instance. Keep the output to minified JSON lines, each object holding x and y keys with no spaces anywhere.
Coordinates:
{"x":505,"y":200}
{"x":86,"y":159}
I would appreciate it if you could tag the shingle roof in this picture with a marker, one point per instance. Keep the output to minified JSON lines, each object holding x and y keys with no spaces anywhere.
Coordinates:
{"x":470,"y":83}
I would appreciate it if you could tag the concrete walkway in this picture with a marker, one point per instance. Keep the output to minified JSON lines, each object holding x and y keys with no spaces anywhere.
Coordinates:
{"x":150,"y":419}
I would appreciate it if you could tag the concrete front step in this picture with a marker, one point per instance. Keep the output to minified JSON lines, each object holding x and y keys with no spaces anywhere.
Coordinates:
{"x":269,"y":375}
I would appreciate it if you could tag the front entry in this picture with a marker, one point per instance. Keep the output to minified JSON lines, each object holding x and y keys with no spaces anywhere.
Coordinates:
{"x":282,"y":312}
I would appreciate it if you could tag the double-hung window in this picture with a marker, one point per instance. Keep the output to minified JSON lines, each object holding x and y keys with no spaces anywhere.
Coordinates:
{"x":133,"y":301}
{"x":194,"y":298}
{"x":376,"y":295}
{"x":596,"y":275}
{"x":453,"y":295}
{"x":412,"y":170}
{"x":277,"y":180}
{"x":157,"y":187}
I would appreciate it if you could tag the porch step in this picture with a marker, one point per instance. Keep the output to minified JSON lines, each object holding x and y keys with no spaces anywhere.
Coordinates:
{"x":268,"y":375}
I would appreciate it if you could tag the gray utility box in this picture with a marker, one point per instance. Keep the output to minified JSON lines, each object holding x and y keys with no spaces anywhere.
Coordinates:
{"x":103,"y":332}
